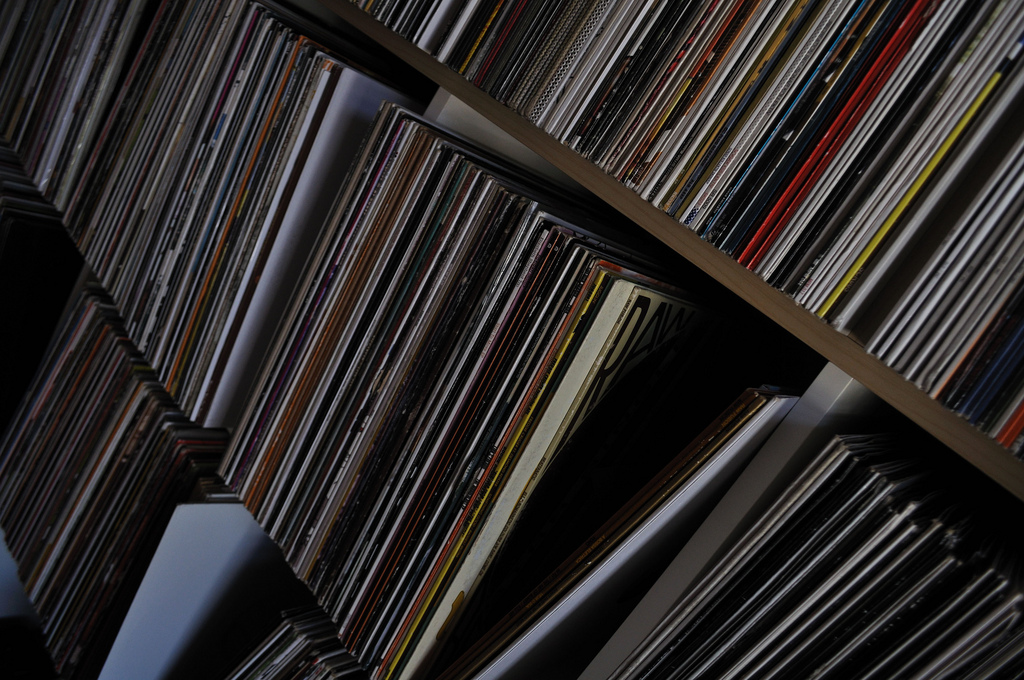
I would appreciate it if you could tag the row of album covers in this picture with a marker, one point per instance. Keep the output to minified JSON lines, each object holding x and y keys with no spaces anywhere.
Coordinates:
{"x":841,"y":128}
{"x":824,"y":144}
{"x":853,"y":153}
{"x":762,"y":551}
{"x":454,"y":326}
{"x":192,"y":148}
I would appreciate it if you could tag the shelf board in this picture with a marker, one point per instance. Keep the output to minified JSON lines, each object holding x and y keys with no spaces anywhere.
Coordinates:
{"x":953,"y":431}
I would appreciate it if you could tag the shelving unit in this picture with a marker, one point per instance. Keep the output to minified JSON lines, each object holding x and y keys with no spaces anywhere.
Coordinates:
{"x":955,"y":432}
{"x":764,"y":307}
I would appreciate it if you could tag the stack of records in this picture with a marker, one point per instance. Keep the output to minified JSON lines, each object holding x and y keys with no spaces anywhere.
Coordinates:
{"x":957,"y":331}
{"x":862,"y":568}
{"x":61,"y":65}
{"x":194,"y":194}
{"x":451,"y":332}
{"x":304,"y":647}
{"x":91,"y":469}
{"x":943,"y":106}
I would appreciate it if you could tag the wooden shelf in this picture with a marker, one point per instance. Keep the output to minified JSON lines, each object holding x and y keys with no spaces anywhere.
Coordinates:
{"x":952,"y":430}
